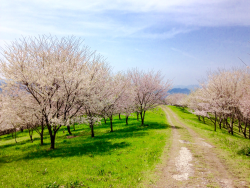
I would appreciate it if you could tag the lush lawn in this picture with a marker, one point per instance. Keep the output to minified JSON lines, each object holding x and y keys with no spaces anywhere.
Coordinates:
{"x":124,"y":158}
{"x":233,"y":150}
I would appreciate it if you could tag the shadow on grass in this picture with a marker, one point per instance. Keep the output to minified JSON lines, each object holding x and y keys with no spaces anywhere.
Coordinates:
{"x":244,"y":151}
{"x":20,"y":143}
{"x":102,"y":144}
{"x":91,"y":149}
{"x":183,"y":110}
{"x":98,"y":147}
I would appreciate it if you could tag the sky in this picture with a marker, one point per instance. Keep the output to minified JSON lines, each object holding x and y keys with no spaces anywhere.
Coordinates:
{"x":184,"y":39}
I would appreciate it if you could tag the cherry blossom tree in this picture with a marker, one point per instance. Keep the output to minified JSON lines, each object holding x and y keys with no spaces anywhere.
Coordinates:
{"x":150,"y":89}
{"x":12,"y":111}
{"x":93,"y":97}
{"x":54,"y":72}
{"x":221,"y":98}
{"x":128,"y":100}
{"x":176,"y":99}
{"x":119,"y":87}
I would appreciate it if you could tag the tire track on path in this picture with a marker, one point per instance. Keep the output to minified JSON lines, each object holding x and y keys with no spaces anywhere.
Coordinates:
{"x":192,"y":162}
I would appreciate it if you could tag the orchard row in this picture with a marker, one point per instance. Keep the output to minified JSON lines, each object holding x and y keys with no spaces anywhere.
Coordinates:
{"x":50,"y":82}
{"x":224,"y":99}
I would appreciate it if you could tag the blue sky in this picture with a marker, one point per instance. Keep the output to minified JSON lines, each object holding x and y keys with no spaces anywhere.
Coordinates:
{"x":183,"y":38}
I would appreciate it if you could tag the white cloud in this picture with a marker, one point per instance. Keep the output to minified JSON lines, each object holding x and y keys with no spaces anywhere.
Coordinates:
{"x":191,"y":12}
{"x":112,"y":18}
{"x":168,"y":34}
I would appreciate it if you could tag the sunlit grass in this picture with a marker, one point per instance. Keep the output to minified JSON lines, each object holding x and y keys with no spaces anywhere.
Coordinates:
{"x":124,"y":158}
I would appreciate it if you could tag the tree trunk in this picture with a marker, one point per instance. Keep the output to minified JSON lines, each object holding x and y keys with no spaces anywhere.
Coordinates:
{"x":52,"y":141}
{"x":126,"y":120}
{"x":21,"y":129}
{"x":111,"y":123}
{"x":68,"y":128}
{"x":31,"y":133}
{"x":245,"y":130}
{"x":92,"y":128}
{"x":52,"y":134}
{"x":227,"y":124}
{"x":120,"y":116}
{"x":199,"y":118}
{"x":142,"y":117}
{"x":15,"y":135}
{"x":105,"y":120}
{"x":41,"y":135}
{"x":215,"y":118}
{"x":203,"y":119}
{"x":232,"y":125}
{"x":220,"y":121}
{"x":239,"y":125}
{"x":92,"y":131}
{"x":249,"y":130}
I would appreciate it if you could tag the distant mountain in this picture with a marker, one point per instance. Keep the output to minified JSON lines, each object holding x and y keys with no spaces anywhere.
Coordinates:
{"x":179,"y":90}
{"x":190,"y":87}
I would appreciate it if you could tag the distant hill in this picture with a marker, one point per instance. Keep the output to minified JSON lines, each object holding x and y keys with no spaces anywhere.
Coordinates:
{"x":179,"y":90}
{"x":190,"y":87}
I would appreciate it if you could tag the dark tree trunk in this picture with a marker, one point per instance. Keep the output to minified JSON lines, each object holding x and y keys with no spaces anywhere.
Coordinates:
{"x":220,"y":121}
{"x":68,"y":128}
{"x":215,"y":118}
{"x":142,"y":117}
{"x":227,"y":124}
{"x":120,"y":116}
{"x":92,"y":127}
{"x":52,"y":134}
{"x":239,"y":125}
{"x":41,"y":135}
{"x":126,"y":120}
{"x":203,"y":119}
{"x":52,"y":140}
{"x":105,"y":120}
{"x":92,"y":130}
{"x":21,"y":129}
{"x":31,"y":133}
{"x":111,"y":123}
{"x":249,"y":130}
{"x":199,"y":118}
{"x":232,"y":125}
{"x":15,"y":135}
{"x":245,"y":130}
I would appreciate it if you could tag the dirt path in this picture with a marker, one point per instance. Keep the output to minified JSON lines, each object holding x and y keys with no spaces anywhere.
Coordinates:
{"x":192,"y":161}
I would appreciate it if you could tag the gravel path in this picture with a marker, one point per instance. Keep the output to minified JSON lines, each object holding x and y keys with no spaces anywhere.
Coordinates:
{"x":192,"y":162}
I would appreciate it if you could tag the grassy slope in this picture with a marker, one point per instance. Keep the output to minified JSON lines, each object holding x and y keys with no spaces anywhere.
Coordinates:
{"x":124,"y":158}
{"x":232,"y":150}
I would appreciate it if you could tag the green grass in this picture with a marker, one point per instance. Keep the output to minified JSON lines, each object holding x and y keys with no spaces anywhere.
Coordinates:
{"x":125,"y":158}
{"x":234,"y":150}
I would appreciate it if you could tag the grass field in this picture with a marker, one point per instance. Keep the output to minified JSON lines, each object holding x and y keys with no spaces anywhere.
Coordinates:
{"x":233,"y":150}
{"x":125,"y":158}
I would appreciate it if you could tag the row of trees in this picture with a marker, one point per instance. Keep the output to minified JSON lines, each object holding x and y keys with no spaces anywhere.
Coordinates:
{"x":224,"y":99}
{"x":50,"y":82}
